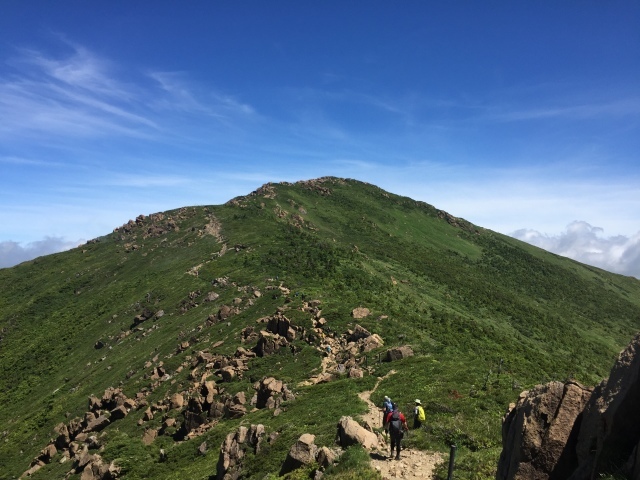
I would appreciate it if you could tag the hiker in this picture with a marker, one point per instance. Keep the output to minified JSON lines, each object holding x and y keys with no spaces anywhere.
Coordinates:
{"x":418,"y":415}
{"x":397,"y":426}
{"x":387,"y":408}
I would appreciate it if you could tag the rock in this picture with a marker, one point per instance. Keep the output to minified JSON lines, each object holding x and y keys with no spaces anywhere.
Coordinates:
{"x":64,"y":437}
{"x":225,"y":312}
{"x":372,"y":342}
{"x":355,"y":372}
{"x":177,"y":401}
{"x":240,"y":398}
{"x":270,"y":392}
{"x":47,"y":453}
{"x":228,"y":373}
{"x":202,"y":449}
{"x":350,"y":433}
{"x":566,"y":431}
{"x":235,"y":411}
{"x":118,"y":413}
{"x":611,"y":420}
{"x":97,"y":470}
{"x":233,"y":449}
{"x":94,"y":403}
{"x":536,"y":430}
{"x":149,"y":436}
{"x":211,"y":297}
{"x":97,"y":424}
{"x":269,"y":343}
{"x":209,"y":391}
{"x":303,"y":452}
{"x":148,"y":415}
{"x":360,"y":312}
{"x":281,"y":325}
{"x":325,"y":457}
{"x":398,"y":353}
{"x":358,"y":333}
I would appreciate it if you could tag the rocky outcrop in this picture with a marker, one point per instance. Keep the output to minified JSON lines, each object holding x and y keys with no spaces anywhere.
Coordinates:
{"x":270,"y":393}
{"x":233,"y":450}
{"x":269,"y":343}
{"x":566,"y":431}
{"x":281,"y":325}
{"x":536,"y":430}
{"x":610,"y":430}
{"x":73,"y":439}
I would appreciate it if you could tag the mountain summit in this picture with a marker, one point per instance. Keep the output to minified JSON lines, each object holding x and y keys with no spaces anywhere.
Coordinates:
{"x":148,"y":352}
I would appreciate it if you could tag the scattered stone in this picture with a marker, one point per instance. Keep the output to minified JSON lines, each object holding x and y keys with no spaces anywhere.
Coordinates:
{"x":202,"y":449}
{"x":177,"y":401}
{"x":149,"y":436}
{"x":398,"y":353}
{"x":360,"y":312}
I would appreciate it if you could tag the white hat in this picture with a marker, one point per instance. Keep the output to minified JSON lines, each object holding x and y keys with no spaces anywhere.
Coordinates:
{"x":387,"y":398}
{"x":417,"y":401}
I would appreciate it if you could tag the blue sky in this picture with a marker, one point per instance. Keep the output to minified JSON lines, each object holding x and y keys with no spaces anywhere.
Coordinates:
{"x":522,"y":117}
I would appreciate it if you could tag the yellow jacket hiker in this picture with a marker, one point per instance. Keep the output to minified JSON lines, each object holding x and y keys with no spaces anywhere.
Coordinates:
{"x":418,"y":415}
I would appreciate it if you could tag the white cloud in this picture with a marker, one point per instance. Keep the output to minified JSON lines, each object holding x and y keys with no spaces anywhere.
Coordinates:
{"x":585,"y":243}
{"x":13,"y":253}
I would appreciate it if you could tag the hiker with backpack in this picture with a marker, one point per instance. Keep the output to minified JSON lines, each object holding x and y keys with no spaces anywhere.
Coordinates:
{"x":387,"y":408}
{"x":397,"y":426}
{"x":418,"y":415}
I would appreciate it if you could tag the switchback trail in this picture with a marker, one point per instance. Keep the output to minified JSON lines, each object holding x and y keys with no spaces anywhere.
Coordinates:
{"x":413,"y":464}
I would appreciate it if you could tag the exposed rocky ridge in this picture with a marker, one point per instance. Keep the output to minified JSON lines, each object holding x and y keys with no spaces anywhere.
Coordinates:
{"x":188,"y":411}
{"x":567,"y":431}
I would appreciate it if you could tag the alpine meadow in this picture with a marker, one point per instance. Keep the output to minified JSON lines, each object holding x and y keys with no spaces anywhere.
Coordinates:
{"x":142,"y":350}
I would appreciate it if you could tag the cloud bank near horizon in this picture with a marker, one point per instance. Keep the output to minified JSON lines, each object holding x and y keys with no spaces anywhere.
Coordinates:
{"x":13,"y":253}
{"x":586,"y":244}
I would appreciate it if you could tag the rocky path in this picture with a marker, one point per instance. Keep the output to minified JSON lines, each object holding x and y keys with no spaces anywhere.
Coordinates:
{"x":413,"y":464}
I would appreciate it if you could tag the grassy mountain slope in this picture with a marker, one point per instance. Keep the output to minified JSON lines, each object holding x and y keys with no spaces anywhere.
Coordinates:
{"x":486,"y":315}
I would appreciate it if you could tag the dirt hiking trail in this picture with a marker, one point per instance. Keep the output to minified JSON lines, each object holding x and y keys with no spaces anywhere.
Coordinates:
{"x":413,"y":464}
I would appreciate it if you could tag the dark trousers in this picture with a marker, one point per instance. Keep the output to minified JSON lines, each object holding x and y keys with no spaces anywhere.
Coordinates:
{"x":416,"y":423}
{"x":396,"y":439}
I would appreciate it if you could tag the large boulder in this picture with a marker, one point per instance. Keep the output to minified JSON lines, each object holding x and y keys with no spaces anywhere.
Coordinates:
{"x":536,"y":430}
{"x":611,"y":421}
{"x":351,"y":433}
{"x":302,"y":453}
{"x":398,"y":353}
{"x":566,"y":431}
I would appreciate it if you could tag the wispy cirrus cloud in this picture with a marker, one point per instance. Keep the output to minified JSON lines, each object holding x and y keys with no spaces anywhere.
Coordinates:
{"x":81,"y":95}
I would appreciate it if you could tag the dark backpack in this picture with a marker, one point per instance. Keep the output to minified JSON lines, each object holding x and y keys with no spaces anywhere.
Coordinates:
{"x":395,"y":424}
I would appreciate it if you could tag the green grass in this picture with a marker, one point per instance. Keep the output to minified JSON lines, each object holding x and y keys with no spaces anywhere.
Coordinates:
{"x":487,"y":316}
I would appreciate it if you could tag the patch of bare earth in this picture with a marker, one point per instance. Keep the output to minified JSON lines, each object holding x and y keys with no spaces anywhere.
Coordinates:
{"x":413,"y":464}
